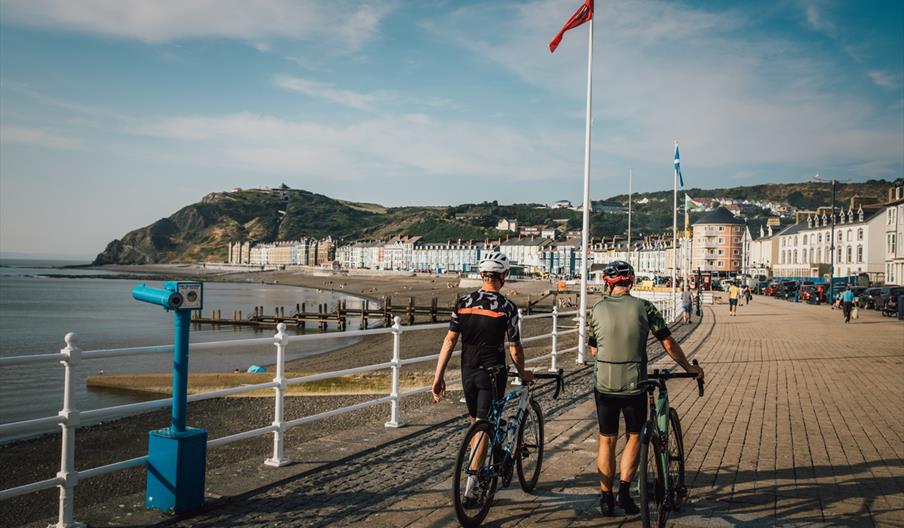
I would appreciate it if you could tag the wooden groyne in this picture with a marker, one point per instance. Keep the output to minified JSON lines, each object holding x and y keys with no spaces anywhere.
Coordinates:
{"x":323,"y":316}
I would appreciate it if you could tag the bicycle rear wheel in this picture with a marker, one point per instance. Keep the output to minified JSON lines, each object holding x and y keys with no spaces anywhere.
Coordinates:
{"x":476,"y":478}
{"x":652,"y":493}
{"x":676,"y":461}
{"x":529,"y":450}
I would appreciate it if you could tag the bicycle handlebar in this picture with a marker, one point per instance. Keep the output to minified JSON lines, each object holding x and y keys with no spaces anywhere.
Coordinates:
{"x":558,"y":376}
{"x":657,"y":375}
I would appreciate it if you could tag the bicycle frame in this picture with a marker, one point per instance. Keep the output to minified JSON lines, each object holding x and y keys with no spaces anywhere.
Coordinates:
{"x":659,"y":416}
{"x":497,"y":409}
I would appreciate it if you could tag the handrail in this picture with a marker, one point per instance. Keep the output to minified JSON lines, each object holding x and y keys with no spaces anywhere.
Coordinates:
{"x":70,"y":419}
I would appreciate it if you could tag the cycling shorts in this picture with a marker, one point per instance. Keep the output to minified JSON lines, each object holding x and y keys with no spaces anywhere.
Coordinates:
{"x":732,"y":302}
{"x":609,"y":407}
{"x":478,"y":389}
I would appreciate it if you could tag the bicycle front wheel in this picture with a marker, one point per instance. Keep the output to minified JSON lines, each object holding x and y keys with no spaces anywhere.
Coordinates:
{"x":652,"y":492}
{"x":676,"y":461}
{"x":529,"y":451}
{"x":476,"y":478}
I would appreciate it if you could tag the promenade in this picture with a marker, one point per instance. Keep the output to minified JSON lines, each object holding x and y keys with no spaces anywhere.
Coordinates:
{"x":801,"y":425}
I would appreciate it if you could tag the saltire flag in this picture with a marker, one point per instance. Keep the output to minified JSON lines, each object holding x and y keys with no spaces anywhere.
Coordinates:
{"x":583,"y":14}
{"x":678,"y":165}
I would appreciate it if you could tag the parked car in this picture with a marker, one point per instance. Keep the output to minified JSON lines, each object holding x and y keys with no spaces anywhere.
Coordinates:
{"x":760,"y":288}
{"x":808,"y":292}
{"x":890,"y":308}
{"x":786,"y":290}
{"x":868,"y":298}
{"x":771,"y":289}
{"x":884,"y":291}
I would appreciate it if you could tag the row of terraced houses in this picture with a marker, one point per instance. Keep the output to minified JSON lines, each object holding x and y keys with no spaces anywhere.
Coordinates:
{"x":867,"y":240}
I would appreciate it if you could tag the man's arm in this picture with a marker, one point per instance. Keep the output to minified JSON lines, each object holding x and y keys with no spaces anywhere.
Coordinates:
{"x":673,"y":349}
{"x":445,"y":354}
{"x":517,"y":353}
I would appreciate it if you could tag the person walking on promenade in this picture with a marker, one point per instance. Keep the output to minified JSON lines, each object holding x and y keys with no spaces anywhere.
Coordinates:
{"x":687,"y":302}
{"x":733,"y":294}
{"x":748,"y":295}
{"x":847,"y":302}
{"x":618,"y":328}
{"x":483,"y":319}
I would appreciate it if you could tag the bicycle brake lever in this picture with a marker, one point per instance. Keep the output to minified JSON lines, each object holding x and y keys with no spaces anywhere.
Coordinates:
{"x":560,"y":384}
{"x":699,"y":381}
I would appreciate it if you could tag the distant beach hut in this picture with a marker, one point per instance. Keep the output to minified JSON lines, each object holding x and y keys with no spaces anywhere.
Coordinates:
{"x":256,"y":369}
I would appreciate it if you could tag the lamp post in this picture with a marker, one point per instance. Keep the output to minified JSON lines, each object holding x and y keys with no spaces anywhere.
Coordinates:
{"x":831,"y":237}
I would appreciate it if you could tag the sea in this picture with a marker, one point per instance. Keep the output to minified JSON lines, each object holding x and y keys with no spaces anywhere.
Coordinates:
{"x":41,"y":301}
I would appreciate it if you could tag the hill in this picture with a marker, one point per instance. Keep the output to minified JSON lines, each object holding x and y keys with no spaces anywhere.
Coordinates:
{"x":200,"y":232}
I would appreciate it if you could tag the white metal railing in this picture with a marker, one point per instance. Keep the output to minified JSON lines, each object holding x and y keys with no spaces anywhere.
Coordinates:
{"x":70,"y":418}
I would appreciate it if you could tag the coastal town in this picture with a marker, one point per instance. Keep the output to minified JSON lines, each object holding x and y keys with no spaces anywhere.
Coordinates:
{"x":793,"y":244}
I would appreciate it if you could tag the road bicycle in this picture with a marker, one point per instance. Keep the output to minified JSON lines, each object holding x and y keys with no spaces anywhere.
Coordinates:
{"x":661,"y":469}
{"x":497,"y":447}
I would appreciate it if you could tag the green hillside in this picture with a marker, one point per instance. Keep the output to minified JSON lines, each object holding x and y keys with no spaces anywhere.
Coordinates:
{"x":201,"y":232}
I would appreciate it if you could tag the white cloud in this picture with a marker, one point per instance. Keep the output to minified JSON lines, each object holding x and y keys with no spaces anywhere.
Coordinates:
{"x":328,"y":92}
{"x":349,"y":24}
{"x":36,"y":137}
{"x":412,"y":144}
{"x":662,"y":70}
{"x":884,"y":79}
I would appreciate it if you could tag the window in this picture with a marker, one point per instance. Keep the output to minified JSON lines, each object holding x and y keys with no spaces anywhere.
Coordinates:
{"x":860,"y":234}
{"x":891,"y":243}
{"x":721,"y":264}
{"x":859,"y":254}
{"x":736,"y":252}
{"x":795,"y":256}
{"x":848,"y":254}
{"x":811,"y":255}
{"x":819,"y":238}
{"x":848,"y":235}
{"x":721,"y":240}
{"x":828,"y":255}
{"x":735,"y":263}
{"x":721,"y":228}
{"x":838,"y":256}
{"x":890,"y":216}
{"x":838,"y":236}
{"x":721,"y":251}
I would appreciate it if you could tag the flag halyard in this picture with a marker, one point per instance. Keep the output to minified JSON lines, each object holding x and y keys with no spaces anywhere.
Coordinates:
{"x":582,"y":15}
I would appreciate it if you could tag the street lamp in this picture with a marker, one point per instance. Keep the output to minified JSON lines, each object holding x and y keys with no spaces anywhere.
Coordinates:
{"x":834,"y":183}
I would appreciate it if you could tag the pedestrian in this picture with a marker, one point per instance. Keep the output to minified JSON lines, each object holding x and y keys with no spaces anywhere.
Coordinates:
{"x":686,"y":304}
{"x":733,"y":294}
{"x":748,"y":294}
{"x":847,"y":302}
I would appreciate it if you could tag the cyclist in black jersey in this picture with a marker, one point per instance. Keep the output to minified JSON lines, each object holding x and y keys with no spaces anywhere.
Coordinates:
{"x":483,"y":319}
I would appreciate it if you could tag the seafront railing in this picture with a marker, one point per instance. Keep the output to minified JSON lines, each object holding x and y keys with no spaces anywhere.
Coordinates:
{"x":70,"y":418}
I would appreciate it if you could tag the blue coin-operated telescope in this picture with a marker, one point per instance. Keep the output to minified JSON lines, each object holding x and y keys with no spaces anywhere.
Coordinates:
{"x":177,"y":455}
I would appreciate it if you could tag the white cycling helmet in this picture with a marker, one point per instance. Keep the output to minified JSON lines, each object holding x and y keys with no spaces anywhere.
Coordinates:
{"x":493,"y":262}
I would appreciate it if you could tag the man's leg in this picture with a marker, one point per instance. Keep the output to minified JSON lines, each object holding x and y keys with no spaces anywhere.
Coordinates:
{"x":605,"y":461}
{"x":629,"y":457}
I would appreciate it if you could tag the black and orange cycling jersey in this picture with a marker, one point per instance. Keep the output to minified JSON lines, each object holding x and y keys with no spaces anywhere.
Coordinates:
{"x":485,"y":319}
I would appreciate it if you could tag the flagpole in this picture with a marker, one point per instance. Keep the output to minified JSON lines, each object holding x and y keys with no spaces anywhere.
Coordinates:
{"x":674,"y":232}
{"x":630,"y":181}
{"x":585,"y":233}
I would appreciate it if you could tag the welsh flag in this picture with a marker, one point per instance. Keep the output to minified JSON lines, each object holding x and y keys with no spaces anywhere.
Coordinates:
{"x":693,"y":205}
{"x":583,"y":14}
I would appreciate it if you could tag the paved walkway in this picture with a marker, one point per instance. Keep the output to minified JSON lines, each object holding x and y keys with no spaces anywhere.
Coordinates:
{"x":801,"y":425}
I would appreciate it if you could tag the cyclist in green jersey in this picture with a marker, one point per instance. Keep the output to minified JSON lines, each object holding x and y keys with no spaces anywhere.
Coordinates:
{"x":618,"y":329}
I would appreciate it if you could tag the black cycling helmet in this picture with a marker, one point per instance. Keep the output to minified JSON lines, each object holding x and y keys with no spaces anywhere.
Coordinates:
{"x":618,"y":272}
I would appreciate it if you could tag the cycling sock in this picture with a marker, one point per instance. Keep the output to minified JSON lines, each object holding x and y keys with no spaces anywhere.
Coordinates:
{"x":607,"y":503}
{"x":624,"y":488}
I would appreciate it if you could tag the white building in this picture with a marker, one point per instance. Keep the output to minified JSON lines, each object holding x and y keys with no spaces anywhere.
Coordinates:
{"x":450,"y":256}
{"x":894,"y":234}
{"x":804,"y":248}
{"x":507,"y":224}
{"x":526,"y":252}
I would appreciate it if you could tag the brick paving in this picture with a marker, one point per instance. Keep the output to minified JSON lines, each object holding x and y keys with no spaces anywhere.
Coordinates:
{"x":801,"y":425}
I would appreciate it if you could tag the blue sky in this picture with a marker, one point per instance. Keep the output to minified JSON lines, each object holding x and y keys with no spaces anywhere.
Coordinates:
{"x":114,"y":114}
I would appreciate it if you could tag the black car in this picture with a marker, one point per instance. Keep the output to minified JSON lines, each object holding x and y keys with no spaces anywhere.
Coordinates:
{"x":883,"y":295}
{"x":786,"y":290}
{"x":868,"y":298}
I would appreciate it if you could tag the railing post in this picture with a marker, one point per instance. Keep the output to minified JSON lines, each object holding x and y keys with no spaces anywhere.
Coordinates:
{"x":70,"y":415}
{"x":554,"y":355}
{"x":281,"y":340}
{"x":396,"y":367}
{"x":516,"y":380}
{"x":582,"y":337}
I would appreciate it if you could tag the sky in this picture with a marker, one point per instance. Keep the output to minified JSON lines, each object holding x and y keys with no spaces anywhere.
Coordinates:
{"x":114,"y":114}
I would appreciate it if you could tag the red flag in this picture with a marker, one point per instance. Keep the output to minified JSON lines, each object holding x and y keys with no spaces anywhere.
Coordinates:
{"x":583,"y":14}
